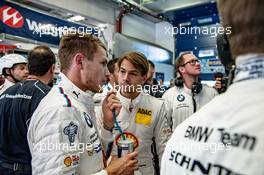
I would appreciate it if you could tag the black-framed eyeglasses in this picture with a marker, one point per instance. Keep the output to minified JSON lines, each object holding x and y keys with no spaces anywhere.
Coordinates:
{"x":192,"y":62}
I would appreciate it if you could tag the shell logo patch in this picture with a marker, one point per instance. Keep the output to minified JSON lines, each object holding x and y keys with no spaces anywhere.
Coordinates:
{"x":129,"y":136}
{"x":67,"y":161}
{"x":72,"y":160}
{"x":143,"y":116}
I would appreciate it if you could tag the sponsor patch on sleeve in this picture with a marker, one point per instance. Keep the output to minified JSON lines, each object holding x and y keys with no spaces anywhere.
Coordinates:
{"x":71,"y":130}
{"x":72,"y":160}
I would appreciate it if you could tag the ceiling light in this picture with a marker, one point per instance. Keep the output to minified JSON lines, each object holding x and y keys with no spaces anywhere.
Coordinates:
{"x":76,"y":18}
{"x":102,"y":26}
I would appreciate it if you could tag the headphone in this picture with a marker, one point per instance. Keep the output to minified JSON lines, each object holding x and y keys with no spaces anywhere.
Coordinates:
{"x":196,"y":86}
{"x":196,"y":89}
{"x":224,"y":52}
{"x":225,"y":56}
{"x":179,"y":81}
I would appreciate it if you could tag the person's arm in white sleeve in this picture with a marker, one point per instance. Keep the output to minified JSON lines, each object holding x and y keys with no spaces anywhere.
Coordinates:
{"x":55,"y":135}
{"x":215,"y":92}
{"x":166,"y":96}
{"x":162,"y":131}
{"x":106,"y":136}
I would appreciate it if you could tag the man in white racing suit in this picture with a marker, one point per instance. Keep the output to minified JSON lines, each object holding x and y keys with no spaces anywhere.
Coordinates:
{"x":146,"y":120}
{"x":62,"y":134}
{"x":142,"y":116}
{"x":189,"y":95}
{"x":226,"y":135}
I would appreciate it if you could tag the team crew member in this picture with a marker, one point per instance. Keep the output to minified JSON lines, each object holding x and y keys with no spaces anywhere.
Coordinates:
{"x":14,"y":68}
{"x":189,"y":95}
{"x":62,"y":134}
{"x":142,"y":116}
{"x":226,"y":135}
{"x":113,"y":72}
{"x":17,"y":105}
{"x":151,"y":85}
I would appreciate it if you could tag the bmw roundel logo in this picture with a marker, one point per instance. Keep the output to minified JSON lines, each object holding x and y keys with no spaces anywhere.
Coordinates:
{"x":180,"y":98}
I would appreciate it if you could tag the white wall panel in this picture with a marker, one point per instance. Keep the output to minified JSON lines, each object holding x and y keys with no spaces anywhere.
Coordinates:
{"x":90,"y":8}
{"x":163,"y":38}
{"x":139,"y":28}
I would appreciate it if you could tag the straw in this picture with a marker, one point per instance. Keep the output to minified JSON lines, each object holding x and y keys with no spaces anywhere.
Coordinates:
{"x":117,"y":125}
{"x":114,"y":117}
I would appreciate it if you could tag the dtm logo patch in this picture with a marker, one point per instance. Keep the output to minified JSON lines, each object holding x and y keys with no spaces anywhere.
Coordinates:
{"x":71,"y":131}
{"x":180,"y":98}
{"x":11,"y":17}
{"x":97,"y":147}
{"x":143,"y":116}
{"x":129,"y":136}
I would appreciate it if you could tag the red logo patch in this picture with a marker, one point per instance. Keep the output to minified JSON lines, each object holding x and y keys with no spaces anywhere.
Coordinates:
{"x":11,"y":17}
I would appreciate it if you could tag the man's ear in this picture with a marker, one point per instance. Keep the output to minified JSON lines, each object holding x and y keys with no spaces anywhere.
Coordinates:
{"x":7,"y":71}
{"x":181,"y":70}
{"x":145,"y":77}
{"x":52,"y":69}
{"x":78,"y":59}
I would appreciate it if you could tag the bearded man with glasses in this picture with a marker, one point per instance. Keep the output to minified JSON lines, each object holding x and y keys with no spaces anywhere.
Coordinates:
{"x":189,"y":95}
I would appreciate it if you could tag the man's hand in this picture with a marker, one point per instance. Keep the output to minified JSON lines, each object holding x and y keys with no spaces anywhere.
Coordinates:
{"x":218,"y":83}
{"x":125,"y":165}
{"x":110,"y":103}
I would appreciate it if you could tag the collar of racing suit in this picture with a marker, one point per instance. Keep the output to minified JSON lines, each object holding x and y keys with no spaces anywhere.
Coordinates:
{"x":187,"y":90}
{"x":75,"y":92}
{"x":127,"y":102}
{"x":249,"y":66}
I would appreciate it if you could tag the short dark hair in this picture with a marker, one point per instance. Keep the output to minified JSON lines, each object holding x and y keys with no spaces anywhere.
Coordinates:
{"x":111,"y":65}
{"x":151,"y":64}
{"x":40,"y":60}
{"x":73,"y":43}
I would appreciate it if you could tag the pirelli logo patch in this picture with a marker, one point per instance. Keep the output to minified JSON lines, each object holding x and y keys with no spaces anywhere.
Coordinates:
{"x":143,"y":116}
